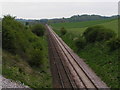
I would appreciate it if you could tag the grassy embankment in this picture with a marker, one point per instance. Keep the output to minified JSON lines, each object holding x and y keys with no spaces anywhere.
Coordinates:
{"x":22,"y":52}
{"x":97,"y":55}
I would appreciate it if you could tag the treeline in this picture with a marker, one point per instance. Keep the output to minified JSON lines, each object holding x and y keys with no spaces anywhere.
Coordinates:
{"x":75,"y":18}
{"x":79,"y":18}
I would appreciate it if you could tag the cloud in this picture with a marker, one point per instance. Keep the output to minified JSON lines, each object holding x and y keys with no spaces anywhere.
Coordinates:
{"x":40,"y":10}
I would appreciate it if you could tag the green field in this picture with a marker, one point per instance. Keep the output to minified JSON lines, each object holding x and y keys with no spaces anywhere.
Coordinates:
{"x":79,"y":27}
{"x":97,"y":55}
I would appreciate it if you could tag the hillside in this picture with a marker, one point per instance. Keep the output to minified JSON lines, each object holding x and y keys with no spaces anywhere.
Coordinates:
{"x":24,"y":54}
{"x":98,"y":55}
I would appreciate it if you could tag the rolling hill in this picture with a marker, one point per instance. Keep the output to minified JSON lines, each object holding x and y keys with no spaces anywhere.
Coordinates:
{"x":79,"y":27}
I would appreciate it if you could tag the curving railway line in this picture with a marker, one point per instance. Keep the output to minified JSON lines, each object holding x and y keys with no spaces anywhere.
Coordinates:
{"x":68,"y":70}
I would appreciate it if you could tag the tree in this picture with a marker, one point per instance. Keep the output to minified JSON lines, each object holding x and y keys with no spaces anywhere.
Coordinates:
{"x":26,"y":23}
{"x":98,"y":33}
{"x":8,"y":36}
{"x":114,"y":43}
{"x":80,"y":43}
{"x":63,"y":31}
{"x":38,"y":29}
{"x":36,"y":58}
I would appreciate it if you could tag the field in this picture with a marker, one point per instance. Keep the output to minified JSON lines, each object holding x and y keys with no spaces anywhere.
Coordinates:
{"x":97,"y":55}
{"x":79,"y":27}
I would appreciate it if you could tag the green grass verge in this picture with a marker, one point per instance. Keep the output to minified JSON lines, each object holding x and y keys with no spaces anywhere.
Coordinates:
{"x":103,"y":62}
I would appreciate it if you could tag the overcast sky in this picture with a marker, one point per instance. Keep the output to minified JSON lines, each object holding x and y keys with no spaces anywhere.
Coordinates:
{"x":40,"y":10}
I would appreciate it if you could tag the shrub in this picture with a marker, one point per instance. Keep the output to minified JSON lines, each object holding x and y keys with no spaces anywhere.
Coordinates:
{"x":36,"y":58}
{"x":8,"y":40}
{"x":98,"y":33}
{"x":114,"y":43}
{"x":9,"y":28}
{"x":80,"y":43}
{"x":63,"y":31}
{"x":15,"y":37}
{"x":26,"y":23}
{"x":38,"y":29}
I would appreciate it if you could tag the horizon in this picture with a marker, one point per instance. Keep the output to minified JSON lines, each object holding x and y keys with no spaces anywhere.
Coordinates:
{"x":61,"y":17}
{"x":50,"y":10}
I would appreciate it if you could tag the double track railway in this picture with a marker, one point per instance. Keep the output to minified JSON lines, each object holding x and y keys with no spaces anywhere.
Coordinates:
{"x":68,"y":70}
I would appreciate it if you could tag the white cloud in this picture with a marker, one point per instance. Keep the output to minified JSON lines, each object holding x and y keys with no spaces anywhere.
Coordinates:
{"x":59,"y":0}
{"x":58,"y":9}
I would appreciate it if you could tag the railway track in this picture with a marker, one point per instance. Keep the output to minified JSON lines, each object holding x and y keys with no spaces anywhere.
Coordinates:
{"x":68,"y":70}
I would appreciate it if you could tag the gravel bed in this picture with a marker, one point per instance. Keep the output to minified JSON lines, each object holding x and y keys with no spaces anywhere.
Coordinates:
{"x":11,"y":85}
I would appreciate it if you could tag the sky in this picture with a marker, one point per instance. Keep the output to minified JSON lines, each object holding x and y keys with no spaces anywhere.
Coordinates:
{"x":34,"y":9}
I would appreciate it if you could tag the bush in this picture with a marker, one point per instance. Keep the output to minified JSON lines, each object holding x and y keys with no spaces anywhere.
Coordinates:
{"x":114,"y":43}
{"x":98,"y":33}
{"x":9,"y":28}
{"x":15,"y":37}
{"x":63,"y":31}
{"x":80,"y":43}
{"x":38,"y":29}
{"x":36,"y":58}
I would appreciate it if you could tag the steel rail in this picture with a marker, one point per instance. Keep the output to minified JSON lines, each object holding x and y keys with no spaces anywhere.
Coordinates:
{"x":82,"y":75}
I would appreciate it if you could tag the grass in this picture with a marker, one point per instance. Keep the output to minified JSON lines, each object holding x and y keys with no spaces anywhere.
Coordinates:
{"x":80,"y":27}
{"x":103,"y":62}
{"x":80,"y":24}
{"x":97,"y":55}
